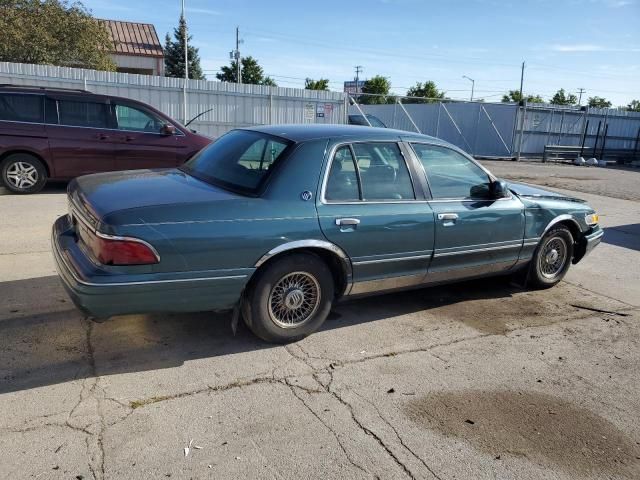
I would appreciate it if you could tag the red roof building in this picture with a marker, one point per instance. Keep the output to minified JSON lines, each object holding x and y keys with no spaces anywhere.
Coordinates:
{"x":136,"y":47}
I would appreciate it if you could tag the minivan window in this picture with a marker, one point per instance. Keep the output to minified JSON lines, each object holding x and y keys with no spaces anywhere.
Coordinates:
{"x":135,"y":119}
{"x":50,"y":111}
{"x":83,"y":114}
{"x":21,"y":108}
{"x":241,"y":160}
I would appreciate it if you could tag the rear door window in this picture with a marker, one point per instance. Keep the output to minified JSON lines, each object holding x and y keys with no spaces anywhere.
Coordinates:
{"x":17,"y":107}
{"x":342,"y":183}
{"x":83,"y":114}
{"x":383,"y":172}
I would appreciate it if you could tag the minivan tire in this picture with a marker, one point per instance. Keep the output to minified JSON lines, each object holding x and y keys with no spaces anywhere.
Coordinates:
{"x":290,"y":298}
{"x":34,"y":172}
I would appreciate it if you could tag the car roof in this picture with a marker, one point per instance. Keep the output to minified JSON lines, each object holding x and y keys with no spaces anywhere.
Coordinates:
{"x":302,"y":133}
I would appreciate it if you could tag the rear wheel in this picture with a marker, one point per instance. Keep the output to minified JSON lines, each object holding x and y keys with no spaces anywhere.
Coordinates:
{"x":23,"y":173}
{"x":290,"y":298}
{"x":552,"y":258}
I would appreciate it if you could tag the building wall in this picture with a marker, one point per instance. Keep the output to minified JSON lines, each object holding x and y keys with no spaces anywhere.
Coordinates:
{"x":144,"y":65}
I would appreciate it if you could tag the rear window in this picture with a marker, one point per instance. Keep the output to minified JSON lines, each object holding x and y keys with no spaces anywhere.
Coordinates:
{"x":18,"y":107}
{"x":241,"y":160}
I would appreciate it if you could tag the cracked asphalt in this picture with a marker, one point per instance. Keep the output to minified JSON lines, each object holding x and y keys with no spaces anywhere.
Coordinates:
{"x":470,"y":381}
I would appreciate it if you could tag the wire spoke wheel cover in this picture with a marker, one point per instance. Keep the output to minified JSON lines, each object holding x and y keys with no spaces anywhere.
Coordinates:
{"x":294,"y":299}
{"x":553,"y":257}
{"x":22,"y":175}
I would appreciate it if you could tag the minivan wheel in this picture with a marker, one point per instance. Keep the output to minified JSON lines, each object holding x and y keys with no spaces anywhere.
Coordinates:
{"x":23,"y":173}
{"x":552,"y":258}
{"x":289,"y":299}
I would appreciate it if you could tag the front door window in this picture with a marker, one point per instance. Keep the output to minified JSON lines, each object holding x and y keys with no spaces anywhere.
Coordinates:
{"x":137,"y":120}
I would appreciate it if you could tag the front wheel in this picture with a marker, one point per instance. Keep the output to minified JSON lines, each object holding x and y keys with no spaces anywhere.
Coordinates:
{"x":23,"y":173}
{"x":289,"y":299}
{"x":552,"y":258}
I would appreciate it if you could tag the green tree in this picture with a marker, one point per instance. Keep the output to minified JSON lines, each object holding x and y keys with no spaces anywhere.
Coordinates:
{"x":174,"y":54}
{"x":322,"y":84}
{"x":598,"y":102}
{"x":53,"y":32}
{"x":561,"y":98}
{"x":514,"y":96}
{"x":377,"y":85}
{"x":251,"y":73}
{"x":634,"y":106}
{"x":428,"y":91}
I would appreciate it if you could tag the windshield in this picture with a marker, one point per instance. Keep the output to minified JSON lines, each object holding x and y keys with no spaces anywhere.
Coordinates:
{"x":375,"y":122}
{"x":241,"y":160}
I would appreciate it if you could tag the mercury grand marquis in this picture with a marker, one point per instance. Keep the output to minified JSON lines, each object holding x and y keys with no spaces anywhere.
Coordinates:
{"x":279,"y":222}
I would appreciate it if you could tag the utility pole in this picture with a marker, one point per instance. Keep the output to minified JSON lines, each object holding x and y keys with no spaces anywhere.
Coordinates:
{"x":521,"y":81}
{"x":580,"y":91}
{"x":186,"y":63}
{"x":358,"y":71}
{"x":238,"y":72}
{"x":473,"y":84}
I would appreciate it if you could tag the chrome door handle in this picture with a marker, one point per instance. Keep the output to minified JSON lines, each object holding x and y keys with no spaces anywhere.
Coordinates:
{"x":447,"y":216}
{"x":341,"y":222}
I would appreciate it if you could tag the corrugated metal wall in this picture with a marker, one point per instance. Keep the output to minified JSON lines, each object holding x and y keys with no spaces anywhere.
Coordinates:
{"x":493,"y":129}
{"x":565,"y":126}
{"x":482,"y":129}
{"x":233,"y":105}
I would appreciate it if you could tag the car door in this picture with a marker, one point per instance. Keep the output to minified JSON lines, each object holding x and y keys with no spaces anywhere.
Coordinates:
{"x":80,"y":135}
{"x":140,"y":140}
{"x":474,"y":234}
{"x":369,"y":208}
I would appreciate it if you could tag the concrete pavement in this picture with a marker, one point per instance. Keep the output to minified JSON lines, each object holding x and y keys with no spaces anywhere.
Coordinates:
{"x":477,"y":380}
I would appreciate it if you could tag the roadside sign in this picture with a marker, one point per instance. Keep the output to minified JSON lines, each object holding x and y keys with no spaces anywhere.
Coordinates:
{"x":309,"y":112}
{"x":320,"y":111}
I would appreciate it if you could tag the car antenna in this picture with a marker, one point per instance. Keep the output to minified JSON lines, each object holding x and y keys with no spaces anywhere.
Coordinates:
{"x":198,"y":116}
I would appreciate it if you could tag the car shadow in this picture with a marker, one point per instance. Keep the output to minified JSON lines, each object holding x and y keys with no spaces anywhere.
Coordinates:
{"x":44,"y":340}
{"x":49,"y":188}
{"x":626,"y":236}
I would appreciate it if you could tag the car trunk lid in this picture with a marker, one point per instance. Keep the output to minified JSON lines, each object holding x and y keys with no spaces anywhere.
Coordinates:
{"x":99,"y":195}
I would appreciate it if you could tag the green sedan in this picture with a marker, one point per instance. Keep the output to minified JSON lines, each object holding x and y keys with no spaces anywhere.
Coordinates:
{"x":278,"y":223}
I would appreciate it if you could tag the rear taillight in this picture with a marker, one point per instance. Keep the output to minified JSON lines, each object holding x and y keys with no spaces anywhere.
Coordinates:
{"x":110,"y":250}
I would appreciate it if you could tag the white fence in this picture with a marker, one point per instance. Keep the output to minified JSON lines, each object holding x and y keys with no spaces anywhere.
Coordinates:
{"x":232,"y":105}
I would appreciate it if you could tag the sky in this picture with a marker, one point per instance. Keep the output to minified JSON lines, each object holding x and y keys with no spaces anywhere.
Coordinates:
{"x":570,"y":44}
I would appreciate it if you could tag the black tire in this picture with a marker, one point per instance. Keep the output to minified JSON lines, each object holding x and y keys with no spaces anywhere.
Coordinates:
{"x":552,"y":258}
{"x":265,"y":315}
{"x":22,"y":168}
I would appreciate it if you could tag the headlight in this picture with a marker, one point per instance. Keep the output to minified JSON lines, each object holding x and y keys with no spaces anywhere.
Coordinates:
{"x":592,"y":218}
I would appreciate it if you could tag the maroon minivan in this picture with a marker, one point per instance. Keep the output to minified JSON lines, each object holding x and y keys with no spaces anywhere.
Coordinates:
{"x":49,"y":133}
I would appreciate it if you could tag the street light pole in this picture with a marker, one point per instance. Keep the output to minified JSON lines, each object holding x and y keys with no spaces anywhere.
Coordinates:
{"x":473,"y":84}
{"x":186,"y":63}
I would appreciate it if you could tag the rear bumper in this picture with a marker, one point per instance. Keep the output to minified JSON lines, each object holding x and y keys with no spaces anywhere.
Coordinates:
{"x":102,"y":294}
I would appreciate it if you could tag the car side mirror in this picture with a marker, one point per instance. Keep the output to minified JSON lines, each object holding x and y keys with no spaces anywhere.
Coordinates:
{"x":167,"y":129}
{"x":499,"y":189}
